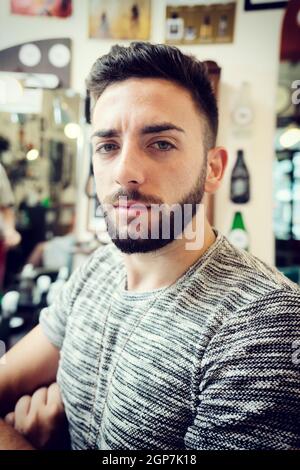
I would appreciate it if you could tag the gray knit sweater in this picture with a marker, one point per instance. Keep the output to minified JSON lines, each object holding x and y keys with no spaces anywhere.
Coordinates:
{"x":211,"y":362}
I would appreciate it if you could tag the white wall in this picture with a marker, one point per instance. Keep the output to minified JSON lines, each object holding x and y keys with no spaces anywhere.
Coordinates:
{"x":253,"y":56}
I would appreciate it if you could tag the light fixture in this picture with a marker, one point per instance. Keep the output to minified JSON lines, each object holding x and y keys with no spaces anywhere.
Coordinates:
{"x":72,"y":130}
{"x":32,"y":154}
{"x":290,"y":137}
{"x":11,"y":89}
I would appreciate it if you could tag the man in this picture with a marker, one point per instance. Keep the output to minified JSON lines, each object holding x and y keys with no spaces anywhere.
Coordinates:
{"x":9,"y":237}
{"x":161,"y":342}
{"x":7,"y":216}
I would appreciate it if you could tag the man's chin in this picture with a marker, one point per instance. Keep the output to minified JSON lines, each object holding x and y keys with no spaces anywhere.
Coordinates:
{"x":131,"y":246}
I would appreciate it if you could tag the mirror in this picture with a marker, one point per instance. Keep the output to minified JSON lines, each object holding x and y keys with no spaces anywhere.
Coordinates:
{"x":39,"y":130}
{"x":286,"y":174}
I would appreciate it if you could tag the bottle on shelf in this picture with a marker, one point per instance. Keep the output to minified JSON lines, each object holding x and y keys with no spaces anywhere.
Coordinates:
{"x":238,"y":235}
{"x":43,"y":283}
{"x":243,"y":111}
{"x":174,"y":27}
{"x":223,"y":26}
{"x":240,"y":181}
{"x":27,"y":286}
{"x":8,"y":318}
{"x":206,"y":29}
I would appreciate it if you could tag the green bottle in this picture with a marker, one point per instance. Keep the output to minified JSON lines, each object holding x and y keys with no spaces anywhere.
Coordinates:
{"x":238,"y":235}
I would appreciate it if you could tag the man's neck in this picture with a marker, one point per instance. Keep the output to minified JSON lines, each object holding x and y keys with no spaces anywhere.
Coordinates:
{"x":161,"y":268}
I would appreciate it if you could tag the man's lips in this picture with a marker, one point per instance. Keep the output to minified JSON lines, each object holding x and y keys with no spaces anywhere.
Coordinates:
{"x":131,"y":208}
{"x":128,"y":204}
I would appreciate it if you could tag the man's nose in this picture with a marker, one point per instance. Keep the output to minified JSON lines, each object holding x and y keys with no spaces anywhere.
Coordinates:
{"x":130,"y":168}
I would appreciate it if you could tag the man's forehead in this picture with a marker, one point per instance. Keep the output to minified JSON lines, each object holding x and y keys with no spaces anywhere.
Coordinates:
{"x":146,"y":101}
{"x":148,"y":90}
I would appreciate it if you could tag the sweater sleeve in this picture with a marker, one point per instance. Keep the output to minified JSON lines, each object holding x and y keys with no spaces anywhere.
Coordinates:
{"x":248,"y":395}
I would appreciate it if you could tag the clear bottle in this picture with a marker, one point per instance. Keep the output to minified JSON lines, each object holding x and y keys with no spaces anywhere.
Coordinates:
{"x":223,"y":26}
{"x":174,"y":27}
{"x":243,"y":111}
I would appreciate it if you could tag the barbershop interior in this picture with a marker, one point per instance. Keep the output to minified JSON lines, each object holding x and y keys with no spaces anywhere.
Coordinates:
{"x":51,"y":220}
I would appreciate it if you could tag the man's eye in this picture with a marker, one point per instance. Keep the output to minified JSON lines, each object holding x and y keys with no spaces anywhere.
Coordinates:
{"x":106,"y":148}
{"x":163,"y":145}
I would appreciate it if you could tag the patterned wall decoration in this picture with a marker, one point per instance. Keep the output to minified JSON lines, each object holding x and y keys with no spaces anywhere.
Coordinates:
{"x":58,"y":8}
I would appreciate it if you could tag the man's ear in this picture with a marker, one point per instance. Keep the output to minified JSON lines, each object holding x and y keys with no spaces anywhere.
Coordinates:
{"x":217,"y":159}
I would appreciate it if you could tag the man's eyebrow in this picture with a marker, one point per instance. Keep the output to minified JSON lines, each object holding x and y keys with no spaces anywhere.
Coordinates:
{"x":105,"y":133}
{"x":151,"y":129}
{"x":161,"y":127}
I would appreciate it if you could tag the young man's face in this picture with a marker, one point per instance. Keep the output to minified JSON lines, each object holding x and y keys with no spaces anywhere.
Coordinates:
{"x":147,"y":146}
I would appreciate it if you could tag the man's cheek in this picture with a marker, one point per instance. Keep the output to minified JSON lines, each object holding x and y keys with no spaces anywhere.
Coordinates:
{"x":102,"y":186}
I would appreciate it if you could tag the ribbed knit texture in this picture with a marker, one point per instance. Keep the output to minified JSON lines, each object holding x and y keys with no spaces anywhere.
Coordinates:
{"x":203,"y":364}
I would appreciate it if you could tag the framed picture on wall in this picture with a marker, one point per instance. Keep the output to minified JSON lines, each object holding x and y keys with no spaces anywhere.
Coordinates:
{"x":200,"y":24}
{"x":58,"y":8}
{"x":119,"y":19}
{"x":264,"y":4}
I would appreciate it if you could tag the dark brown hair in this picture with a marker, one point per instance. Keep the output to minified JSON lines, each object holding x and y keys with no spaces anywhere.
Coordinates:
{"x":146,"y":60}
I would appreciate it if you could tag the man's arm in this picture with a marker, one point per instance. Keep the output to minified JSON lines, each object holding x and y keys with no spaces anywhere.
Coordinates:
{"x":41,"y":419}
{"x":30,"y":364}
{"x":33,"y":362}
{"x":11,"y":236}
{"x":36,"y":256}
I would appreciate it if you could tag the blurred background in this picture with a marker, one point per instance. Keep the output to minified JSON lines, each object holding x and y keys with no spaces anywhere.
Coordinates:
{"x":49,"y":222}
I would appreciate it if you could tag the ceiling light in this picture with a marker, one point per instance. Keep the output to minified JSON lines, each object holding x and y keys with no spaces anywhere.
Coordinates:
{"x":32,"y":154}
{"x":290,"y":137}
{"x":72,"y":130}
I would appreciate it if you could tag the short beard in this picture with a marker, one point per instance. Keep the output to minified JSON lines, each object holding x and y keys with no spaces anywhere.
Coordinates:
{"x":129,"y":245}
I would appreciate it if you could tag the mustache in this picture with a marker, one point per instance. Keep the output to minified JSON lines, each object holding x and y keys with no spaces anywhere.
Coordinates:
{"x":132,"y":194}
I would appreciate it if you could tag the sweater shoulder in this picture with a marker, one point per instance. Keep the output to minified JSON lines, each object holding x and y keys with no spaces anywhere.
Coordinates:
{"x":248,"y":269}
{"x":105,"y":256}
{"x":233,"y":279}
